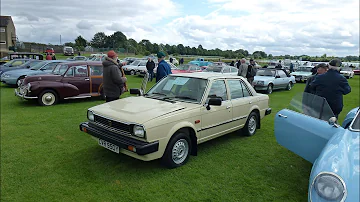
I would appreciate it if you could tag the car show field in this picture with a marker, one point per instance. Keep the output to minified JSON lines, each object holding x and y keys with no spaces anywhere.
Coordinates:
{"x":45,"y":157}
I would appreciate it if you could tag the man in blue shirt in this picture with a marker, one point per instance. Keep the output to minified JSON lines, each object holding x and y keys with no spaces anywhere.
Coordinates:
{"x":163,"y":68}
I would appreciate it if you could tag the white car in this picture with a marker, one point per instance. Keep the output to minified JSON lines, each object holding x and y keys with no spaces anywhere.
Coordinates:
{"x":269,"y":79}
{"x":224,"y":69}
{"x":135,"y":67}
{"x":347,"y":72}
{"x":302,"y":73}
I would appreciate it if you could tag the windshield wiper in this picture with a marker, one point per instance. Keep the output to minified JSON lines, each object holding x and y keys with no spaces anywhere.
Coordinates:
{"x":180,"y":97}
{"x":156,"y":94}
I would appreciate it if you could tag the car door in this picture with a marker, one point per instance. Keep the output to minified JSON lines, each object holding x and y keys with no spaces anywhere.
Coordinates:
{"x":241,"y":100}
{"x":217,"y":120}
{"x":96,"y":78}
{"x":78,"y":77}
{"x":278,"y":81}
{"x":304,"y":135}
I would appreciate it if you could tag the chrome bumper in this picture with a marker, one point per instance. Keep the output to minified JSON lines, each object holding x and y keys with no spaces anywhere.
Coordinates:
{"x":23,"y":96}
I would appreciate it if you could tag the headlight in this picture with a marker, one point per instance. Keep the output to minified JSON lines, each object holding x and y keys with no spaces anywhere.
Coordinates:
{"x":6,"y":76}
{"x":139,"y":131}
{"x":90,"y":115}
{"x":329,"y":187}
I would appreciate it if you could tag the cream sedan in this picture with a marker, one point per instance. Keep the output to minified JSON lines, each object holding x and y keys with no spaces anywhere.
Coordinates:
{"x":174,"y":116}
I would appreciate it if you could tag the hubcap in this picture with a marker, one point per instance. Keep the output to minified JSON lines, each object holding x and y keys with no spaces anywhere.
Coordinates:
{"x":132,"y":72}
{"x":270,"y":89}
{"x":180,"y":151}
{"x":48,"y":98}
{"x":252,"y":125}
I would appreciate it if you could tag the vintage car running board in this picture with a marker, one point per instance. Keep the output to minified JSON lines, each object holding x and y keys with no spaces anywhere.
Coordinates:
{"x":76,"y":97}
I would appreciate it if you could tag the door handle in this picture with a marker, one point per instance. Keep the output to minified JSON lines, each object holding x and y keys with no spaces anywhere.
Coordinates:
{"x":280,"y":115}
{"x":87,"y":79}
{"x":228,"y":107}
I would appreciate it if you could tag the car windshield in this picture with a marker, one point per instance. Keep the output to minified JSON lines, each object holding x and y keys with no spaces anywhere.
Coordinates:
{"x":135,"y":63}
{"x":68,"y":49}
{"x":213,"y":68}
{"x":356,"y":123}
{"x":183,"y":67}
{"x":60,"y":69}
{"x":179,"y":88}
{"x":346,"y":69}
{"x":32,"y":63}
{"x":311,"y":105}
{"x":266,"y":72}
{"x":304,"y":69}
{"x":39,"y":65}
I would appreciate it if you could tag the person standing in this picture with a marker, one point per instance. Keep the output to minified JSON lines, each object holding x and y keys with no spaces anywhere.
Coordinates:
{"x":150,"y":66}
{"x":53,"y":56}
{"x":48,"y":56}
{"x":291,"y":67}
{"x":181,"y":61}
{"x":163,"y":68}
{"x":242,"y":68}
{"x":232,"y":63}
{"x":251,"y":72}
{"x":332,"y":86}
{"x":171,"y":60}
{"x":113,"y":79}
{"x":321,"y":69}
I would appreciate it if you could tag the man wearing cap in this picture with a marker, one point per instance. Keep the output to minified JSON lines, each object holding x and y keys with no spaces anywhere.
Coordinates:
{"x":163,"y":68}
{"x":113,"y":80}
{"x":332,"y":86}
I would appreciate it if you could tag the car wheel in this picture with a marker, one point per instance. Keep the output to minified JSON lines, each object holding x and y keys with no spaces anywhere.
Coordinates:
{"x":48,"y":98}
{"x":251,"y":124}
{"x":178,"y":150}
{"x":289,"y":86}
{"x":347,"y":77}
{"x":269,"y":89}
{"x":132,"y":72}
{"x":18,"y":82}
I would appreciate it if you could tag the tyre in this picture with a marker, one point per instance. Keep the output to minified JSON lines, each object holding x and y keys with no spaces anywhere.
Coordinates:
{"x":269,"y":89}
{"x":251,"y":124}
{"x":132,"y":72}
{"x":348,"y":77}
{"x":289,"y":86}
{"x":178,"y":150}
{"x":48,"y":98}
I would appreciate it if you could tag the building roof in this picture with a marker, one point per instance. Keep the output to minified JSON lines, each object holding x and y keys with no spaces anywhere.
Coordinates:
{"x":5,"y":20}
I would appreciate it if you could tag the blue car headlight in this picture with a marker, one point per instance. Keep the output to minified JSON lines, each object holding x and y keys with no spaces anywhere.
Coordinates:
{"x":330,"y":186}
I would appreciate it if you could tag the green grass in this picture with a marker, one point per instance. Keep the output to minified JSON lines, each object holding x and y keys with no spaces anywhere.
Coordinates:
{"x":45,"y":157}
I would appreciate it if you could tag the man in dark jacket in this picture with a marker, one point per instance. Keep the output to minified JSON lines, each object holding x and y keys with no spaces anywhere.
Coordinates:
{"x":332,"y":86}
{"x":321,"y":69}
{"x":113,"y":80}
{"x":150,"y":66}
{"x":163,"y":68}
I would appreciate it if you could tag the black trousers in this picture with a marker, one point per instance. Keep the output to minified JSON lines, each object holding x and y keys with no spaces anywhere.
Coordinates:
{"x":109,"y":99}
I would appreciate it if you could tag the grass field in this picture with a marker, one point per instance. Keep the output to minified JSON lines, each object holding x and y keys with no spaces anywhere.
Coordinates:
{"x":45,"y":157}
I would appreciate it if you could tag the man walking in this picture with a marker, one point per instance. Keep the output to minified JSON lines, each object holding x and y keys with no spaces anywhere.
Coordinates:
{"x":251,"y":72}
{"x":150,"y":66}
{"x":113,"y":79}
{"x":332,"y":86}
{"x":163,"y":68}
{"x":242,"y":68}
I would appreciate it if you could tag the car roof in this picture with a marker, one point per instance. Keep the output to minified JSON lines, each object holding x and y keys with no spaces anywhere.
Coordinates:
{"x":206,"y":75}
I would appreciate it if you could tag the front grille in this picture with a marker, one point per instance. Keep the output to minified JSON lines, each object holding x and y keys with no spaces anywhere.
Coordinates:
{"x":118,"y":127}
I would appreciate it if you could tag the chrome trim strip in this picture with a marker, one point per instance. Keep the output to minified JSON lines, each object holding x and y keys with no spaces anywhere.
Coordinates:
{"x":23,"y":96}
{"x":330,"y":173}
{"x":239,"y":118}
{"x":353,"y":121}
{"x":77,"y":97}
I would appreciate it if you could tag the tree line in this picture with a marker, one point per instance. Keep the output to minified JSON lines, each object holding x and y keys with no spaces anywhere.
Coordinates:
{"x":118,"y":40}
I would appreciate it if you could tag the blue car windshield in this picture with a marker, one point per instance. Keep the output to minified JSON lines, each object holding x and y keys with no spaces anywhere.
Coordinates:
{"x":39,"y":65}
{"x":356,"y":124}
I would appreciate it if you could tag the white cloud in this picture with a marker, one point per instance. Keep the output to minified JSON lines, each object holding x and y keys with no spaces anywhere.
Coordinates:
{"x":311,"y":27}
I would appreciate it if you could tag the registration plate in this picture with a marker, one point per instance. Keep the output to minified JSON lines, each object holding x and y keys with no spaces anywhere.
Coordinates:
{"x":109,"y":146}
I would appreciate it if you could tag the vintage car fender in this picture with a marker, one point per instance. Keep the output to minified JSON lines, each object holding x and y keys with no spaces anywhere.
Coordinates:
{"x":337,"y":157}
{"x":38,"y":86}
{"x":349,"y":117}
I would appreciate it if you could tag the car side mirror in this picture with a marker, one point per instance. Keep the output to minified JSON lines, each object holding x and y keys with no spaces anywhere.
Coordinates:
{"x":28,"y":66}
{"x":10,"y":65}
{"x":134,"y":91}
{"x":277,"y":77}
{"x":214,"y":102}
{"x":332,"y":121}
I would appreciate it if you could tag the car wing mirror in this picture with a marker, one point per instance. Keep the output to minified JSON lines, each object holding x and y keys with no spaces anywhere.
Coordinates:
{"x":135,"y":91}
{"x":332,"y":121}
{"x":214,"y":102}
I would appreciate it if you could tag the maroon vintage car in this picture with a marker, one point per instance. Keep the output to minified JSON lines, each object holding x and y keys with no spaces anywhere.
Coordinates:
{"x":71,"y":80}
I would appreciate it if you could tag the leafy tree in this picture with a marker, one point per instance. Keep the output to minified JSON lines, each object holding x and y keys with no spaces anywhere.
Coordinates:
{"x":80,"y":41}
{"x":99,"y":40}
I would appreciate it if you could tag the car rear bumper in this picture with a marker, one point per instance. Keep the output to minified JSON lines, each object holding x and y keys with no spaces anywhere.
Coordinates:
{"x":23,"y":96}
{"x":141,"y":148}
{"x":268,"y":111}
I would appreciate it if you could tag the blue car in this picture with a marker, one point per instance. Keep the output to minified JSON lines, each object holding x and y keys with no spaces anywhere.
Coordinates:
{"x":333,"y":150}
{"x":28,"y":64}
{"x":13,"y":77}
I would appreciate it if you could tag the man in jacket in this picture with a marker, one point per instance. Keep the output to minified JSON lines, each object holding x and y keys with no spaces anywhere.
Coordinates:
{"x":242,"y":68}
{"x":251,"y":72}
{"x":332,"y":86}
{"x":321,"y":69}
{"x":163,"y":68}
{"x":150,"y":66}
{"x":113,"y":80}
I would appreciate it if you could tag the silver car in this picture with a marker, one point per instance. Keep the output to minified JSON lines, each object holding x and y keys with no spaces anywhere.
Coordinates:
{"x":270,"y":79}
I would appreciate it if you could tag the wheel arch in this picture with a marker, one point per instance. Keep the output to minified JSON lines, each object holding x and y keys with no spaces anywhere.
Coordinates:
{"x":187,"y":126}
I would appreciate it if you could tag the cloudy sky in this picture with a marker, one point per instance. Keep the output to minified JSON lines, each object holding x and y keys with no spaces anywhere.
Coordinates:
{"x":296,"y":27}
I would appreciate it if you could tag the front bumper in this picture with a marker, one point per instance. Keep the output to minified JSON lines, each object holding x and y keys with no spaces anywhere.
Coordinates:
{"x":9,"y":80}
{"x":142,"y":148}
{"x":258,"y":87}
{"x":267,"y":111}
{"x":23,"y":96}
